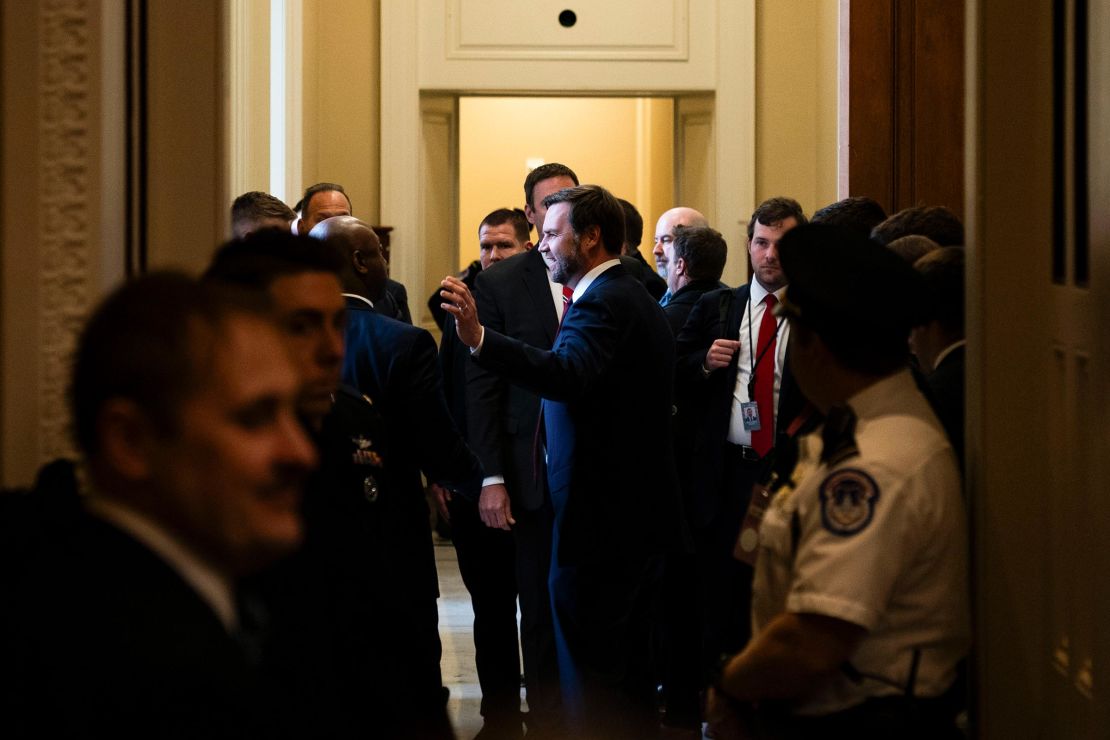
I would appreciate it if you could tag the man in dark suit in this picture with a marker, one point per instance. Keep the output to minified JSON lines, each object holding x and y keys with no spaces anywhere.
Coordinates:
{"x":636,"y":264}
{"x":730,"y":346}
{"x":517,"y":298}
{"x":939,"y":343}
{"x":607,"y":408}
{"x":664,"y":239}
{"x":487,"y":555}
{"x":122,"y":614}
{"x":355,"y":649}
{"x":698,"y":256}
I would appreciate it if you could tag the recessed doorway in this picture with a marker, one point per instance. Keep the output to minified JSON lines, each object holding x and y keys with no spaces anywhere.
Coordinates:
{"x":625,"y":144}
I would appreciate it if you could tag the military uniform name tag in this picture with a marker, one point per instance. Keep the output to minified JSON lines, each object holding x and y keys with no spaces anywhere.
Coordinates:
{"x":746,"y":549}
{"x":749,"y":411}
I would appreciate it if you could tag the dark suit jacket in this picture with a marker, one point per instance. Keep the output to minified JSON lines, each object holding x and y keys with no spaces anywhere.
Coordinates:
{"x":513,"y":298}
{"x":716,"y":315}
{"x":946,"y":383}
{"x":678,"y":308}
{"x":607,"y":411}
{"x":454,"y":357}
{"x":395,"y":365}
{"x":394,"y":302}
{"x":101,"y":638}
{"x":638,"y":268}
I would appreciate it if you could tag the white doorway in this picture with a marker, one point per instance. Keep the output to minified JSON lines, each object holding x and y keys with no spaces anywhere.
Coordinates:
{"x":431,"y":60}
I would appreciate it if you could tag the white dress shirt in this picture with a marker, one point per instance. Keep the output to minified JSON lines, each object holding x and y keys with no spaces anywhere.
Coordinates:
{"x":749,"y":336}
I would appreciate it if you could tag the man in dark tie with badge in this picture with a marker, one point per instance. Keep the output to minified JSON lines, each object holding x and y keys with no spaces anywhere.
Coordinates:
{"x":860,"y":603}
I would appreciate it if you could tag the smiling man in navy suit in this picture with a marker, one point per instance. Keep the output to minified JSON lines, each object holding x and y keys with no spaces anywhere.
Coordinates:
{"x":606,"y":385}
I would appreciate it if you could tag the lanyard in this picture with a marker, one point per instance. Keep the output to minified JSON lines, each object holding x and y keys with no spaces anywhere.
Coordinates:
{"x":753,"y":358}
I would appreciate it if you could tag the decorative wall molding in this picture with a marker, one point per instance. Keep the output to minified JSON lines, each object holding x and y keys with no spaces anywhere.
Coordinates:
{"x":66,"y":216}
{"x":598,"y":31}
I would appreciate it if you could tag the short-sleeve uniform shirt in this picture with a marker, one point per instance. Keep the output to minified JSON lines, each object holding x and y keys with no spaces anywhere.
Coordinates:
{"x":878,"y":540}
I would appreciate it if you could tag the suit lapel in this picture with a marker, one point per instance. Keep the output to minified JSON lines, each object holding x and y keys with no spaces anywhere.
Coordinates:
{"x":736,"y":311}
{"x":538,"y":288}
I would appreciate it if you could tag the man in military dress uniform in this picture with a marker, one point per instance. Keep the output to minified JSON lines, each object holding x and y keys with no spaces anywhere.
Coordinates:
{"x":860,"y":603}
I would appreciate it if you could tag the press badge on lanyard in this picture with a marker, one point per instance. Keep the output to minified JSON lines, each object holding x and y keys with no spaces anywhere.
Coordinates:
{"x":749,"y":412}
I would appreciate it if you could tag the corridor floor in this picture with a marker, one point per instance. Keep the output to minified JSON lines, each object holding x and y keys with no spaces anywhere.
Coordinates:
{"x":455,"y":622}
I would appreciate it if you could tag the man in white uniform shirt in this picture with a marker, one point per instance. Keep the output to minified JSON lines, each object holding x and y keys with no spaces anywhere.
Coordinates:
{"x":860,"y":603}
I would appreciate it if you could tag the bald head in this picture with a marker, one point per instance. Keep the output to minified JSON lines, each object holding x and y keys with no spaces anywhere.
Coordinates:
{"x":664,"y":234}
{"x":364,"y":269}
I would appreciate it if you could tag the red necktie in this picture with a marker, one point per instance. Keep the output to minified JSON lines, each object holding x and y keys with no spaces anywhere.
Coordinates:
{"x":568,"y":294}
{"x":538,"y":437}
{"x":764,"y":439}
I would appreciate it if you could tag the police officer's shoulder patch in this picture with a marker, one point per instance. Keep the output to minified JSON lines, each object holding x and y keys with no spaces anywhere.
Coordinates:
{"x":848,"y":499}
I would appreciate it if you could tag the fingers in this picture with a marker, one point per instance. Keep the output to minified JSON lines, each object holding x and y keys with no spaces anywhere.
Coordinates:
{"x":459,"y":302}
{"x":442,"y":496}
{"x":497,"y":519}
{"x":494,"y":507}
{"x":720,"y":353}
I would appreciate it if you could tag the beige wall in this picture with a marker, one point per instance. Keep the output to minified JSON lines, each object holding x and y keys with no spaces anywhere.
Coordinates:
{"x":623,"y":144}
{"x":248,"y":89}
{"x":657,"y":188}
{"x":796,"y":99}
{"x":61,"y":165}
{"x":187,"y":186}
{"x":341,"y":100}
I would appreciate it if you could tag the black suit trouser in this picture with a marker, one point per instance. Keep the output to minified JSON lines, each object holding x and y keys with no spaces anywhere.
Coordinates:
{"x":532,"y":535}
{"x":603,"y":613}
{"x":725,"y":583}
{"x":487,"y":563}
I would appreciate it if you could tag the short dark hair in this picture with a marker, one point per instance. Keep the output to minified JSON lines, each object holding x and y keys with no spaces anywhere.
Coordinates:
{"x":324,"y":187}
{"x":775,"y":210}
{"x":593,"y":205}
{"x":633,"y":224}
{"x":936,"y":222}
{"x":513,"y":216}
{"x":943,"y":272}
{"x":912,"y":247}
{"x":256,"y":206}
{"x":858,"y":213}
{"x":545,"y":172}
{"x":703,"y":249}
{"x":142,"y":344}
{"x":264,"y":256}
